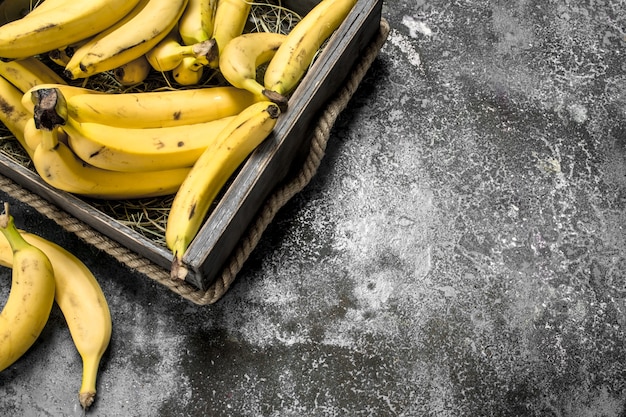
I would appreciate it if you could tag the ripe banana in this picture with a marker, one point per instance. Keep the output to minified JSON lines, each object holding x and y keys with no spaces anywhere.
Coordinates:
{"x":207,"y":15}
{"x":41,"y":32}
{"x":240,"y":58}
{"x":158,"y":108}
{"x":83,"y":304}
{"x":188,"y":72}
{"x":60,"y":168}
{"x":149,"y":149}
{"x":133,"y":72}
{"x":217,"y":163}
{"x":229,"y":21}
{"x":190,"y":24}
{"x":28,"y":72}
{"x":13,"y":114}
{"x":295,"y":55}
{"x":28,"y":307}
{"x":169,"y":53}
{"x":68,"y":92}
{"x":128,"y":41}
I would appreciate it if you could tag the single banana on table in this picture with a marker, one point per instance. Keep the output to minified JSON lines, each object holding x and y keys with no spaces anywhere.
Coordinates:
{"x":60,"y":168}
{"x":13,"y":114}
{"x":128,"y":41}
{"x":30,"y":300}
{"x":218,"y":162}
{"x":169,"y":52}
{"x":240,"y":58}
{"x":144,"y":149}
{"x":28,"y":72}
{"x":53,"y":28}
{"x":83,"y":304}
{"x":229,"y":22}
{"x":294,"y":56}
{"x":158,"y":108}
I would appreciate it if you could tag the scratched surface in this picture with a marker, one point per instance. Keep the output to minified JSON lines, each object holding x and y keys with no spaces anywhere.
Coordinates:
{"x":461,"y":251}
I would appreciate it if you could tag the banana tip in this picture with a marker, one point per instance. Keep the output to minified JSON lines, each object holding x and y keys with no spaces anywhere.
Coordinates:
{"x":178,"y":271}
{"x":276,"y":98}
{"x":86,"y":399}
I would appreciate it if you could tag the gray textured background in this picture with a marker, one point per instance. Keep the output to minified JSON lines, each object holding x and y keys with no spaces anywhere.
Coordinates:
{"x":460,"y":252}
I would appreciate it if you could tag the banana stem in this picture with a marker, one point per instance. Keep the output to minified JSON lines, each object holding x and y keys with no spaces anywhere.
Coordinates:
{"x":50,"y":108}
{"x":8,"y":229}
{"x":87,"y":393}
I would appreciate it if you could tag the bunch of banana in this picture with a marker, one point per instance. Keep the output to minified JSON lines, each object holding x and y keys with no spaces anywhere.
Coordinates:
{"x":131,"y":37}
{"x":30,"y":300}
{"x":77,"y":293}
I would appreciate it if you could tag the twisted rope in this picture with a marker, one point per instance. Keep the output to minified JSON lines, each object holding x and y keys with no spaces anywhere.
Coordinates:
{"x":253,"y":235}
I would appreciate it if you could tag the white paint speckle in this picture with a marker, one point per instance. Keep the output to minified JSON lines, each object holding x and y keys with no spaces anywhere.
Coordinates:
{"x":406,"y":47}
{"x":416,"y":27}
{"x":578,"y":113}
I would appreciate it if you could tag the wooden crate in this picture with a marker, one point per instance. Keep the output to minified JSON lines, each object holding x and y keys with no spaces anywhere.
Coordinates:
{"x":261,"y":173}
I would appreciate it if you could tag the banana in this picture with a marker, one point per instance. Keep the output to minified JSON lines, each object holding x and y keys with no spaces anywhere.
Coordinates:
{"x":240,"y":58}
{"x":41,"y":32}
{"x":29,"y":72}
{"x":169,"y":53}
{"x":158,"y":108}
{"x":30,"y":300}
{"x":188,"y":72}
{"x":128,"y":41}
{"x":295,"y":55}
{"x":59,"y":56}
{"x":13,"y":114}
{"x":68,"y":92}
{"x":60,"y":168}
{"x":148,"y":149}
{"x":229,"y":21}
{"x":83,"y":304}
{"x":133,"y":72}
{"x":190,"y":24}
{"x":209,"y":174}
{"x":207,"y":16}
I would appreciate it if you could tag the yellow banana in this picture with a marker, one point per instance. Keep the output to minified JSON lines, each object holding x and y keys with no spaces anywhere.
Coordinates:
{"x":158,"y":108}
{"x":29,"y":72}
{"x":83,"y":304}
{"x":59,"y":56}
{"x":60,"y":168}
{"x":133,"y":72}
{"x":128,"y":41}
{"x":217,"y":163}
{"x":295,"y":55}
{"x":188,"y":72}
{"x":169,"y":53}
{"x":229,"y":21}
{"x":190,"y":24}
{"x":148,"y":149}
{"x":51,"y":29}
{"x":241,"y":57}
{"x":68,"y":92}
{"x":13,"y":114}
{"x":207,"y":15}
{"x":30,"y":300}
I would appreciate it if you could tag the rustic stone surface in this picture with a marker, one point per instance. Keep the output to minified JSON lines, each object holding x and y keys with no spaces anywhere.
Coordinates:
{"x":461,"y":251}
